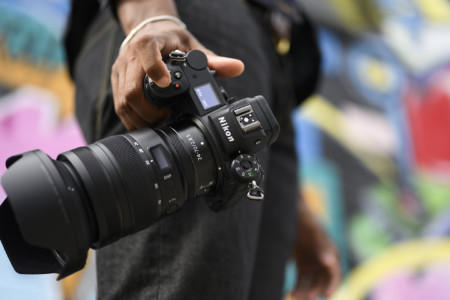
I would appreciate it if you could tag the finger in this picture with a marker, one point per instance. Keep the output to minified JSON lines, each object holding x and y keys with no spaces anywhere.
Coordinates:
{"x":313,"y":294}
{"x":330,"y":261}
{"x":296,"y":294}
{"x":304,"y":282}
{"x":122,"y":103}
{"x":149,"y":49}
{"x":333,"y":284}
{"x":133,"y":120}
{"x":124,"y":114}
{"x":117,"y":70}
{"x":134,"y":95}
{"x":114,"y":80}
{"x":308,"y":292}
{"x":225,"y":66}
{"x":303,"y":295}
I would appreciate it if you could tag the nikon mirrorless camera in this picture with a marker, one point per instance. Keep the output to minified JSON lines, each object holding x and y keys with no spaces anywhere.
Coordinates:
{"x":91,"y":196}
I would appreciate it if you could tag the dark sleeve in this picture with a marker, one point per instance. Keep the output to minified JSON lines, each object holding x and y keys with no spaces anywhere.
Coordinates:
{"x":306,"y":59}
{"x":81,"y":16}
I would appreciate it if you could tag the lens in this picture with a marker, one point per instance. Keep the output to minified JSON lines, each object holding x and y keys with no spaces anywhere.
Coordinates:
{"x":45,"y":211}
{"x":94,"y":195}
{"x":195,"y":156}
{"x":132,"y":180}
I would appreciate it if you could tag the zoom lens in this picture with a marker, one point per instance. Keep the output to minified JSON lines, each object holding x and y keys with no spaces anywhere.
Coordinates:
{"x":92,"y":196}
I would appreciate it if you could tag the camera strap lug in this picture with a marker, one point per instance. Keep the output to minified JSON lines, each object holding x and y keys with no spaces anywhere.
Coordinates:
{"x":254,"y":191}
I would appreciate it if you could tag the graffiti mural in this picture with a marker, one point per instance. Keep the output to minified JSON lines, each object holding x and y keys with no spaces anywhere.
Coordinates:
{"x":374,"y":148}
{"x":36,"y":109}
{"x":373,"y":141}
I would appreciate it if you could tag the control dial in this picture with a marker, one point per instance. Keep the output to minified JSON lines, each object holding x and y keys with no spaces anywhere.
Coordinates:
{"x":246,"y":168}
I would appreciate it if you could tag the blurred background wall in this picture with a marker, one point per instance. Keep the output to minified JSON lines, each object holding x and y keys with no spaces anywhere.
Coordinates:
{"x":373,"y":142}
{"x":375,"y":148}
{"x":36,"y":112}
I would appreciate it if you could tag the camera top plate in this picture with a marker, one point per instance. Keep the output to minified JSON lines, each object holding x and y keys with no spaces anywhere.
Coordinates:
{"x":193,"y":88}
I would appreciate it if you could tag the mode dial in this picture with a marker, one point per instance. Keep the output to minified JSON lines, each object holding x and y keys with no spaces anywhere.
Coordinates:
{"x":246,"y":168}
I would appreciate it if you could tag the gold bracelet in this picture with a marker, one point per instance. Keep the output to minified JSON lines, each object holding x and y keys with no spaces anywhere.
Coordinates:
{"x":151,"y":20}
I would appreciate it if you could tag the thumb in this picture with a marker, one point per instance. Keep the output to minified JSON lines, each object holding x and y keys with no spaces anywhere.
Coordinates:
{"x":226,"y":66}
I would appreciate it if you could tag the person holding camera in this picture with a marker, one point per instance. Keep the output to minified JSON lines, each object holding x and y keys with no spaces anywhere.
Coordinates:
{"x":195,"y":253}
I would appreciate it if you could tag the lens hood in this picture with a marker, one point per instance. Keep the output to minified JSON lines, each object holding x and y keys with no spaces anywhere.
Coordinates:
{"x":44,"y":220}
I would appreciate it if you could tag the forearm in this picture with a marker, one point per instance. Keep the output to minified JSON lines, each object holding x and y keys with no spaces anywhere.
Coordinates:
{"x":133,"y":12}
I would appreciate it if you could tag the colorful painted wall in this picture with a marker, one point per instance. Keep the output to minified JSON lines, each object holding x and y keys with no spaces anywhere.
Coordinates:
{"x":373,"y":142}
{"x":375,"y":148}
{"x":36,"y":109}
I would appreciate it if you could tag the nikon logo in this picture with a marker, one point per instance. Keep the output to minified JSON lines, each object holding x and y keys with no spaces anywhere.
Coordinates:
{"x":226,"y":128}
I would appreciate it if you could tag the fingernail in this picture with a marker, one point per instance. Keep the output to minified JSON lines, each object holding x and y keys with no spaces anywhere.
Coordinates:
{"x":164,"y":82}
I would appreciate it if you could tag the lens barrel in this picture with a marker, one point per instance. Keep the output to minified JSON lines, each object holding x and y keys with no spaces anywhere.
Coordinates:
{"x":94,"y":195}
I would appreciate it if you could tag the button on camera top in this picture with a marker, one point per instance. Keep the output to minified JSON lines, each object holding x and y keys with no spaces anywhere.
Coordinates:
{"x":197,"y":60}
{"x":246,"y":165}
{"x":177,"y":85}
{"x":177,"y":55}
{"x":177,"y":75}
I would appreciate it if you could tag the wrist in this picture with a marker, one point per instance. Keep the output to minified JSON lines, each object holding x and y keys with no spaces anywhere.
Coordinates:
{"x":131,"y":13}
{"x":160,"y":18}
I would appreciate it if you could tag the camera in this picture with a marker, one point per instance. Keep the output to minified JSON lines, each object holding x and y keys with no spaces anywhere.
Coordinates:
{"x":91,"y":196}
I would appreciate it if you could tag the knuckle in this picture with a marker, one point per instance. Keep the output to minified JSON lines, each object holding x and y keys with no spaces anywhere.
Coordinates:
{"x":117,"y":65}
{"x":122,"y":111}
{"x":122,"y":108}
{"x":144,"y":42}
{"x":132,"y":58}
{"x":152,"y":68}
{"x":131,"y":91}
{"x":113,"y":78}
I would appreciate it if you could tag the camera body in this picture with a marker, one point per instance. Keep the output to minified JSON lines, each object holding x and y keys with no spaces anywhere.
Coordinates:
{"x":92,"y":196}
{"x":233,"y":128}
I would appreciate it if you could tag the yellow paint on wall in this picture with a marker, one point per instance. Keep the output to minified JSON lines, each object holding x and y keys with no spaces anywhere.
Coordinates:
{"x":17,"y":72}
{"x":408,"y":255}
{"x":328,"y":118}
{"x":377,"y":73}
{"x":435,"y":10}
{"x":348,"y":12}
{"x":357,"y":15}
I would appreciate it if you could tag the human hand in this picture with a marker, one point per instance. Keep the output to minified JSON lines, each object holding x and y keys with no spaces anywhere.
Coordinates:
{"x":317,"y":260}
{"x":144,"y":55}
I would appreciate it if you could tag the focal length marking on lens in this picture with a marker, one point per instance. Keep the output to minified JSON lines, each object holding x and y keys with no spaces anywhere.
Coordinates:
{"x":164,"y":176}
{"x":195,"y":148}
{"x":142,"y":153}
